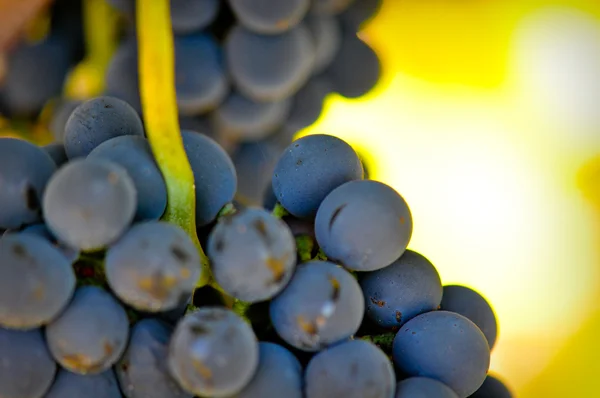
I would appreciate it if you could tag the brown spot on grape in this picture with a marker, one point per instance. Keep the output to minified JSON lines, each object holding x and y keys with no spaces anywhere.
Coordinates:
{"x":299,"y":162}
{"x":19,"y":250}
{"x":38,"y":292}
{"x":398,"y":317}
{"x":335,"y":285}
{"x":379,"y":303}
{"x":157,"y":285}
{"x":199,"y":330}
{"x":125,"y":366}
{"x":112,"y":178}
{"x":203,"y":370}
{"x":307,"y":326}
{"x":402,"y":220}
{"x":277,"y":268}
{"x":108,"y":348}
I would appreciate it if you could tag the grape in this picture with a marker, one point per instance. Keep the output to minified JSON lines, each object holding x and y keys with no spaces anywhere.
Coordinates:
{"x":36,"y":281}
{"x":269,"y":16}
{"x":408,"y":287}
{"x":200,"y":78}
{"x":356,"y":68}
{"x":444,"y":346}
{"x":72,"y":385}
{"x":321,"y":305}
{"x":42,"y":231}
{"x":198,"y":124}
{"x":89,"y":203}
{"x":134,"y":154}
{"x":359,"y":13}
{"x":213,"y":352}
{"x":57,"y":152}
{"x":269,"y":68}
{"x":310,"y":168}
{"x":122,"y":79}
{"x":24,"y":172}
{"x":34,"y":74}
{"x":192,"y":15}
{"x":279,"y":375}
{"x":254,"y":164}
{"x":142,"y":371}
{"x":153,"y":266}
{"x":327,"y":36}
{"x":364,"y":224}
{"x":98,"y":120}
{"x":330,"y":7}
{"x":470,"y":304}
{"x":354,"y":369}
{"x":253,"y":255}
{"x":91,"y":334}
{"x":242,"y":118}
{"x":26,"y":368}
{"x":60,"y":115}
{"x":214,"y":175}
{"x":308,"y":104}
{"x":422,"y":387}
{"x":492,"y":388}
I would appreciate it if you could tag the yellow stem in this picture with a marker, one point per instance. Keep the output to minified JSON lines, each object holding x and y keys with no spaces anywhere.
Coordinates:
{"x":157,"y":90}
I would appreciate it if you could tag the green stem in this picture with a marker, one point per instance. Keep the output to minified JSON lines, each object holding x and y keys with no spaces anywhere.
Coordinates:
{"x":384,"y":341}
{"x":304,"y":246}
{"x":279,"y":211}
{"x":159,"y":104}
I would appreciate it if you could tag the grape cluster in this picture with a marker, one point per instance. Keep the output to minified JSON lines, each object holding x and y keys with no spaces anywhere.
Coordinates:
{"x":314,"y":292}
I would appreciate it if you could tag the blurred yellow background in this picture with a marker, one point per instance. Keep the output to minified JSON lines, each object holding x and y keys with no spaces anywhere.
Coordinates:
{"x":487,"y":120}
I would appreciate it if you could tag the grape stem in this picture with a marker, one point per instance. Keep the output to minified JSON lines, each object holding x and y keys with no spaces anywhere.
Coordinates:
{"x":159,"y":104}
{"x":384,"y":341}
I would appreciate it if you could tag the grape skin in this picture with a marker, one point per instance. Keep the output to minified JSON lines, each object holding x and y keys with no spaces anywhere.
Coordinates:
{"x":72,"y":385}
{"x":142,"y":371}
{"x":24,"y":172}
{"x":42,"y":231}
{"x":134,"y":154}
{"x":307,"y":104}
{"x":253,"y":255}
{"x":254,"y":164}
{"x":269,"y":16}
{"x":36,"y":281}
{"x":366,"y":225}
{"x":26,"y":368}
{"x":322,"y":305}
{"x":60,"y":115}
{"x":492,"y":388}
{"x":356,"y":69}
{"x":353,"y":369}
{"x":57,"y":152}
{"x":359,"y":13}
{"x":444,"y":346}
{"x":89,"y":203}
{"x":310,"y":168}
{"x":472,"y":305}
{"x":214,"y":175}
{"x":422,"y":387}
{"x":330,"y":7}
{"x":213,"y":352}
{"x":91,"y":334}
{"x":122,"y":79}
{"x":327,"y":35}
{"x":397,"y":293}
{"x":200,"y":78}
{"x":153,"y":266}
{"x":98,"y":120}
{"x":279,"y":374}
{"x":269,"y":68}
{"x":247,"y":120}
{"x":193,"y":15}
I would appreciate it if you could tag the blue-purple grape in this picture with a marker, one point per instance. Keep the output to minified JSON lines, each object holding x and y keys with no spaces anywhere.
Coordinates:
{"x":36,"y":281}
{"x":310,"y":168}
{"x":322,"y":305}
{"x":214,"y":175}
{"x":472,"y":305}
{"x":98,"y":120}
{"x":327,"y":36}
{"x":26,"y":367}
{"x":44,"y":232}
{"x":422,"y":387}
{"x":269,"y":16}
{"x":134,"y":154}
{"x":359,"y":13}
{"x":24,"y":172}
{"x":73,"y":385}
{"x":366,"y":225}
{"x":142,"y":371}
{"x":213,"y":352}
{"x":193,"y":15}
{"x":492,"y":387}
{"x":444,"y":346}
{"x":91,"y":334}
{"x":89,"y":203}
{"x":330,"y":7}
{"x":56,"y":150}
{"x":253,"y":255}
{"x":397,"y":293}
{"x":279,"y":374}
{"x":353,"y":369}
{"x":153,"y":266}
